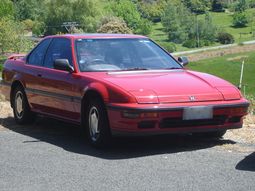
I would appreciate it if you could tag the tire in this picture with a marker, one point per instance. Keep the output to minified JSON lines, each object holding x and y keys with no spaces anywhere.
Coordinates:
{"x":97,"y":124}
{"x":21,"y":110}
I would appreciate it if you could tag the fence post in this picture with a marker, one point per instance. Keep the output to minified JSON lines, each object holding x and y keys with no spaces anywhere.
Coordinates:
{"x":241,"y":76}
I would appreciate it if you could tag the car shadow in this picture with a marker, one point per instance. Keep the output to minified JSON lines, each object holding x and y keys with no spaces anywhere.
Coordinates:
{"x":247,"y":164}
{"x":69,"y":137}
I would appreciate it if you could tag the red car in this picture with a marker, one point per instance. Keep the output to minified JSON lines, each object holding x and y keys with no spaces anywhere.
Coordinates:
{"x":116,"y":84}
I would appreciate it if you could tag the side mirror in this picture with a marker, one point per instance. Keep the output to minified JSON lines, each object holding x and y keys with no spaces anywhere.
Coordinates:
{"x":63,"y":64}
{"x":183,"y":61}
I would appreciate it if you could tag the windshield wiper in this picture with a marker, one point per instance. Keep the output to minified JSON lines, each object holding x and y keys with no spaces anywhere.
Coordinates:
{"x":135,"y":68}
{"x":172,"y":68}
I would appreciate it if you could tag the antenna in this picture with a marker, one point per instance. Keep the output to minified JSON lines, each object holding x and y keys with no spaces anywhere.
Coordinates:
{"x":69,"y":26}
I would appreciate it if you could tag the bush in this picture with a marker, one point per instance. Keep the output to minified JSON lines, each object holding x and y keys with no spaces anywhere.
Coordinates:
{"x":168,"y":46}
{"x":12,"y":37}
{"x":144,"y":27}
{"x":240,"y":20}
{"x":217,"y":6}
{"x":38,"y":28}
{"x":225,"y":38}
{"x":251,"y":3}
{"x":204,"y":43}
{"x":191,"y":43}
{"x":113,"y":25}
{"x":240,"y":6}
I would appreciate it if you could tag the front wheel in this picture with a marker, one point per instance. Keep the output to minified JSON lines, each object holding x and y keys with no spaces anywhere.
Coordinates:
{"x":21,"y":109}
{"x":97,"y":125}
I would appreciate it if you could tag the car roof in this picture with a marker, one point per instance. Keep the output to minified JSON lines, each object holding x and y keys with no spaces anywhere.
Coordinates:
{"x":97,"y":35}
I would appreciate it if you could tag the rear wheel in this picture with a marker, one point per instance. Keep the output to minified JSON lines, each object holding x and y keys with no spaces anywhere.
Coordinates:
{"x":97,"y":125}
{"x":21,"y":110}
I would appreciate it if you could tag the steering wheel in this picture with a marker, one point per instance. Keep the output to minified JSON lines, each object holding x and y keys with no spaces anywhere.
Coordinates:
{"x":96,"y":61}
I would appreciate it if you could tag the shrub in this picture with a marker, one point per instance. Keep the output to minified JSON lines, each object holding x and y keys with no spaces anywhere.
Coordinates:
{"x":113,"y":25}
{"x":217,"y":6}
{"x":240,"y":6}
{"x":144,"y":27}
{"x":251,"y":3}
{"x":191,"y":43}
{"x":205,"y":43}
{"x":168,"y":46}
{"x":225,"y":38}
{"x":240,"y":20}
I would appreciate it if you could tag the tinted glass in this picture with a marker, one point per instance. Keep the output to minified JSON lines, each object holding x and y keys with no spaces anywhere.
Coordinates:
{"x":122,"y":54}
{"x":60,"y":48}
{"x":37,"y":55}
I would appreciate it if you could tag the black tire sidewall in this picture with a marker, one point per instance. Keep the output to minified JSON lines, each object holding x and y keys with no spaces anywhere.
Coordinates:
{"x":103,"y":123}
{"x":27,"y":114}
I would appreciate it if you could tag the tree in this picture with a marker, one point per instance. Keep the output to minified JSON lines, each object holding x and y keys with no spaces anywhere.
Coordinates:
{"x":217,"y":6}
{"x":128,"y":11}
{"x":196,"y":6}
{"x":29,"y":9}
{"x":84,"y":12}
{"x":177,"y":20}
{"x":6,"y":8}
{"x":240,"y":6}
{"x":251,"y":3}
{"x":12,"y":36}
{"x":152,"y":10}
{"x":240,"y":20}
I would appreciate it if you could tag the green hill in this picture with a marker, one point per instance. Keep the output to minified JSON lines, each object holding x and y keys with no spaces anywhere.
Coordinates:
{"x":222,"y":20}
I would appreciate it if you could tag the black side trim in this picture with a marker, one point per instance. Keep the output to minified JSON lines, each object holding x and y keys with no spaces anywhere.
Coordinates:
{"x":54,"y":95}
{"x":112,"y":107}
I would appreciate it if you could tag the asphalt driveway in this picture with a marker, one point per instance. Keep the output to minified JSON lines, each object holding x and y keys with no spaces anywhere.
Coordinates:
{"x":52,"y":155}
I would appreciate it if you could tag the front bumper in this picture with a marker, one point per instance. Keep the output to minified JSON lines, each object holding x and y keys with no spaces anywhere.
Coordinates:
{"x":143,"y":119}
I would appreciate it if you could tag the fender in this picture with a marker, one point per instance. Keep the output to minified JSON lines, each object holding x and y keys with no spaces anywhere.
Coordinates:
{"x":110,"y":94}
{"x":99,"y":88}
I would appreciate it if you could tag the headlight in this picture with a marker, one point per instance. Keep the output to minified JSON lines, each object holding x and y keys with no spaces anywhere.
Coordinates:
{"x":145,"y":96}
{"x":230,"y":93}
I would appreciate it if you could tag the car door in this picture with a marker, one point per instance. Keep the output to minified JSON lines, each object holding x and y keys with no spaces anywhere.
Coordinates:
{"x":32,"y":74}
{"x":57,"y":86}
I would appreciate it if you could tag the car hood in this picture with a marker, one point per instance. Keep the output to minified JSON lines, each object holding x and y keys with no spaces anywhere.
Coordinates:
{"x":171,"y":86}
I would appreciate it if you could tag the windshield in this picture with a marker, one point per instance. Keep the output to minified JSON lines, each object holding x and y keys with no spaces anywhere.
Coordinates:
{"x":122,"y":55}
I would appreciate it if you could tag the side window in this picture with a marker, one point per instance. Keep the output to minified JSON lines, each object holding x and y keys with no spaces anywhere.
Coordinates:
{"x":37,"y":55}
{"x":60,"y":48}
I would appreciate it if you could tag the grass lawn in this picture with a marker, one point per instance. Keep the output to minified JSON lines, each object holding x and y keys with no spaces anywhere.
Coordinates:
{"x":229,"y":67}
{"x":222,"y":20}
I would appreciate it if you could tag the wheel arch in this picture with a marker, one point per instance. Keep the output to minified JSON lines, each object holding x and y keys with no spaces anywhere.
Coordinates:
{"x":88,"y":95}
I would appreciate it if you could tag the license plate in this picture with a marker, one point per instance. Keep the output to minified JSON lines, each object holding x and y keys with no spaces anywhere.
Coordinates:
{"x":197,"y":112}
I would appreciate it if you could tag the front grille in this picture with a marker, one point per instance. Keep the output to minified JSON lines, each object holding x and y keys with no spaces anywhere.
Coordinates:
{"x":179,"y":122}
{"x":146,"y":124}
